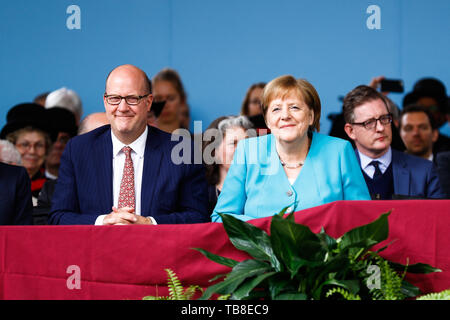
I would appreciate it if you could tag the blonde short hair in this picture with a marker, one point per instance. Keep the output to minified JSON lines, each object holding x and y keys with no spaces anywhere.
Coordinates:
{"x":282,"y":86}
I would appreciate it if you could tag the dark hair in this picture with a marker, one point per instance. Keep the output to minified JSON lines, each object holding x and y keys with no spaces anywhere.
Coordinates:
{"x":417,"y":108}
{"x":357,"y":97}
{"x":246,"y":102}
{"x":170,"y":75}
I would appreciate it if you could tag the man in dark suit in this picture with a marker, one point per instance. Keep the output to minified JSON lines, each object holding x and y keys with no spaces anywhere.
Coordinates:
{"x":388,"y":173}
{"x":125,"y":173}
{"x":15,"y":196}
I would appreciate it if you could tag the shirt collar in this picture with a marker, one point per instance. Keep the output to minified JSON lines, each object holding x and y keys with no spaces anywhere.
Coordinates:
{"x":138,"y":145}
{"x":385,"y":160}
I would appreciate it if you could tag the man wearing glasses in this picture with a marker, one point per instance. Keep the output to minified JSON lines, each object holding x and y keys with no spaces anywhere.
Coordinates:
{"x":389,"y":174}
{"x":123,"y":173}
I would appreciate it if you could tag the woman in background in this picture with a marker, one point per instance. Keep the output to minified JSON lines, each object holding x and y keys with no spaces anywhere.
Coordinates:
{"x":222,"y":137}
{"x":167,"y":86}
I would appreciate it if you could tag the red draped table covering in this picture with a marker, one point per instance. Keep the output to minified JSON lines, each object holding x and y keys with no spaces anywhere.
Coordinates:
{"x":128,"y":262}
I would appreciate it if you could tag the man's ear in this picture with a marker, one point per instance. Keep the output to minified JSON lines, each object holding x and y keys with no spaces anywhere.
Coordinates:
{"x":348,"y":128}
{"x":435,"y":135}
{"x":149,"y":102}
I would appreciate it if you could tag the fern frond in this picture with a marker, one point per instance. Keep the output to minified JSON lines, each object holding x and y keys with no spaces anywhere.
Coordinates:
{"x":344,"y":293}
{"x":224,"y":297}
{"x":175,"y":287}
{"x":443,"y":295}
{"x":190,"y":291}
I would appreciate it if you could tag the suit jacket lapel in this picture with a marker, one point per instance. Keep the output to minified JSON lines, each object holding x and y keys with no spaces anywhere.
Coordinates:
{"x":152,"y":165}
{"x":103,"y":159}
{"x":400,"y":173}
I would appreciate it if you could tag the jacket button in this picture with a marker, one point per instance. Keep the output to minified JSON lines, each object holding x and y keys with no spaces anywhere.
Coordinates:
{"x":289,"y":193}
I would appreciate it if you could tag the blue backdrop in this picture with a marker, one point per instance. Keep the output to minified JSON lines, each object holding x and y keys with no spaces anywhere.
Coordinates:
{"x":219,"y":47}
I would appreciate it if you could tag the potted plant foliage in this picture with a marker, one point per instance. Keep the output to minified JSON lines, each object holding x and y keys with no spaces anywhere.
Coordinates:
{"x":295,"y":263}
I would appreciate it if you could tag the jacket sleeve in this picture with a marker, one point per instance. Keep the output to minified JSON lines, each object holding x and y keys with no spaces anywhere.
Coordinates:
{"x":353,"y":184}
{"x":233,"y":196}
{"x":434,"y":190}
{"x":65,"y":204}
{"x":23,"y":202}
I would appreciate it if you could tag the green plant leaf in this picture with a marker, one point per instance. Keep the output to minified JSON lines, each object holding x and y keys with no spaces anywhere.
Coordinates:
{"x":294,"y":244}
{"x":219,"y":259}
{"x":250,"y":239}
{"x":292,"y":296}
{"x":409,"y":290}
{"x":243,"y":270}
{"x":280,"y":282}
{"x":366,"y":236}
{"x":414,"y":268}
{"x":350,"y":285}
{"x":248,"y":285}
{"x":327,"y":242}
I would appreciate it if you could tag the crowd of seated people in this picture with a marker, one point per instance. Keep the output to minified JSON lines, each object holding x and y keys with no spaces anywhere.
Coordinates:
{"x":118,"y":166}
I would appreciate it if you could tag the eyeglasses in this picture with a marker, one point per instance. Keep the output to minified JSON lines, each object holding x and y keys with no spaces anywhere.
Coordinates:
{"x":39,"y":146}
{"x":372,"y":123}
{"x":130,"y":100}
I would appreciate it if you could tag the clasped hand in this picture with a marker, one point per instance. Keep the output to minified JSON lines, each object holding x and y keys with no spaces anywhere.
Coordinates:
{"x":124,"y":216}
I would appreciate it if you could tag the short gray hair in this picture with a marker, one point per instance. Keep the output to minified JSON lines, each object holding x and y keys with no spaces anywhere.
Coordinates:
{"x":67,"y":99}
{"x":234,"y":121}
{"x":9,"y":153}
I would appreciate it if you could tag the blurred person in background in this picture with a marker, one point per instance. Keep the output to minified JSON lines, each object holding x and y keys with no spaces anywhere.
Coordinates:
{"x":220,"y":146}
{"x":432,"y":94}
{"x":9,"y":153}
{"x":93,"y":121}
{"x":68,"y":99}
{"x":40,"y":98}
{"x":418,"y":131}
{"x":28,"y":129}
{"x":63,"y":124}
{"x":167,"y":86}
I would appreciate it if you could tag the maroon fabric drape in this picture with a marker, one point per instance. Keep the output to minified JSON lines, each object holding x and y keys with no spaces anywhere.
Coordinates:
{"x":128,"y":262}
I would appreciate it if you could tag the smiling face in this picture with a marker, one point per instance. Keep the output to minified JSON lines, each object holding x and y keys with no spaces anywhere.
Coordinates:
{"x":32,"y":148}
{"x":289,"y":118}
{"x":128,"y":122}
{"x":225,"y":151}
{"x":371,"y":142}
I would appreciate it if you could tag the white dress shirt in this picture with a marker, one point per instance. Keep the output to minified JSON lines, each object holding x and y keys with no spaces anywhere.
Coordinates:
{"x":137,"y":156}
{"x":385,"y":161}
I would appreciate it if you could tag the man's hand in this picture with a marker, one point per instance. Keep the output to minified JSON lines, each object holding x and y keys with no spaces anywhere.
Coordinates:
{"x":124,"y":216}
{"x":375,"y":83}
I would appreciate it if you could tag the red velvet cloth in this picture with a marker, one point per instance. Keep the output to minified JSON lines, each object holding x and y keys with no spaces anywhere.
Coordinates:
{"x":128,"y":262}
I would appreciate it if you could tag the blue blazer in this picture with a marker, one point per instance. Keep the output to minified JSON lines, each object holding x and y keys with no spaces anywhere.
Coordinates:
{"x":16,"y":207}
{"x":414,"y":176}
{"x":256,"y":185}
{"x":171,"y":193}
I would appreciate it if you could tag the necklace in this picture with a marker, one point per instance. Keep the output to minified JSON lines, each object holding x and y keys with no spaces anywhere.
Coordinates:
{"x":290,"y":166}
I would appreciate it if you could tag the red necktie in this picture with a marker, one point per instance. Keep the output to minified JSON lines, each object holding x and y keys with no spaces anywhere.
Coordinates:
{"x":126,"y":194}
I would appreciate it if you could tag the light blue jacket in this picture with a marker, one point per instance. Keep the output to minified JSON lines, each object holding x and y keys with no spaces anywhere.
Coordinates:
{"x":256,"y":185}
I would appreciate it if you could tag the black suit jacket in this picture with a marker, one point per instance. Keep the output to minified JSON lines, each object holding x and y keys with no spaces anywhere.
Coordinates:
{"x":15,"y":196}
{"x":443,"y":168}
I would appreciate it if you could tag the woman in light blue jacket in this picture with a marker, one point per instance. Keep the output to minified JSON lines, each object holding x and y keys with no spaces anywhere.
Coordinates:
{"x":294,"y":166}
